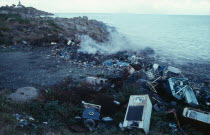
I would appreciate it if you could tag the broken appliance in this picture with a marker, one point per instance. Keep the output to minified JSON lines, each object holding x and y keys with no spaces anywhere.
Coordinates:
{"x":138,"y":113}
{"x":91,"y":115}
{"x":179,"y":88}
{"x":197,"y":115}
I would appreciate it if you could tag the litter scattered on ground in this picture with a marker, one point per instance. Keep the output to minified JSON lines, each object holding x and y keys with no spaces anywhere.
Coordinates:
{"x":151,"y":76}
{"x":24,"y":120}
{"x":166,"y":86}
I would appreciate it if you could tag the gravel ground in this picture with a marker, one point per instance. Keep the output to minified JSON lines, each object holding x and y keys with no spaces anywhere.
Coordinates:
{"x":36,"y":68}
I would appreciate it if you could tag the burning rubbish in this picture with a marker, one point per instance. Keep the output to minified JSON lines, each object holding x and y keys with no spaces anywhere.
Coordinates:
{"x":138,"y":113}
{"x":110,"y":79}
{"x":148,"y":76}
{"x":123,"y":69}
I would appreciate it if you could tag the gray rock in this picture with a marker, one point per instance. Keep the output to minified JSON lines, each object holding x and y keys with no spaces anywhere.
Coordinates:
{"x":24,"y":94}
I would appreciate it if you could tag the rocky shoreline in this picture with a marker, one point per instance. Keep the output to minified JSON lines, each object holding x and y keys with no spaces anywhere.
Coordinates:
{"x":43,"y":52}
{"x":42,"y":31}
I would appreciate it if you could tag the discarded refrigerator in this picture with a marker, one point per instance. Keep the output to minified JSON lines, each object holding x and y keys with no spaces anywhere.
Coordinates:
{"x":138,"y":113}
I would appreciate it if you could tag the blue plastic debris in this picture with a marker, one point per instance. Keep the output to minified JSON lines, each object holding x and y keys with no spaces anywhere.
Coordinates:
{"x":122,"y":64}
{"x":90,"y":113}
{"x":107,"y":119}
{"x":108,"y":62}
{"x":115,"y":63}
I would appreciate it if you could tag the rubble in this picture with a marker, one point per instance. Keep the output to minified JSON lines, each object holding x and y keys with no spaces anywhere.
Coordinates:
{"x":132,"y":70}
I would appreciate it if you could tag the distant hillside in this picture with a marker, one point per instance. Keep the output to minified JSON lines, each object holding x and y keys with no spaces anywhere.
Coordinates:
{"x":27,"y":25}
{"x":24,"y":11}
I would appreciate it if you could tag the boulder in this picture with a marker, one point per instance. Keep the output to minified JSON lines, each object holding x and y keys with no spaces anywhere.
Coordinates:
{"x":24,"y":94}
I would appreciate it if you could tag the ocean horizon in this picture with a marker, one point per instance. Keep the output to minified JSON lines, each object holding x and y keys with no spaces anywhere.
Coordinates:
{"x":176,"y":38}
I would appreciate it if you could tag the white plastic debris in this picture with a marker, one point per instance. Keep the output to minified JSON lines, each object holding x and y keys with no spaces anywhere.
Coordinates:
{"x":45,"y":123}
{"x":174,"y":70}
{"x":53,"y":43}
{"x":155,"y":67}
{"x":69,"y":42}
{"x":31,"y":118}
{"x":78,"y":117}
{"x":107,"y":119}
{"x":24,"y":42}
{"x":116,"y":102}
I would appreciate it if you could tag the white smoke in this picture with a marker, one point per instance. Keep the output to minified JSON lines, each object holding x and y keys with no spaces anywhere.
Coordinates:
{"x":116,"y":43}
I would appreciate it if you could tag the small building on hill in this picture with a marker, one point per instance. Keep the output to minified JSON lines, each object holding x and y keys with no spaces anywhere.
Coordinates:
{"x":19,"y":5}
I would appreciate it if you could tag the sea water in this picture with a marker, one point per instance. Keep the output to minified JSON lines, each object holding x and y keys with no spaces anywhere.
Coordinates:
{"x":177,"y":38}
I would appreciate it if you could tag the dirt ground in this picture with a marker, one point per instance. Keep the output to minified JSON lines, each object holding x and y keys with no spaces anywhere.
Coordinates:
{"x":36,"y":68}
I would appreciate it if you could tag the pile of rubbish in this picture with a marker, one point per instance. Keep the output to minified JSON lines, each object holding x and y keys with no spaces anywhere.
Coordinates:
{"x":166,"y":85}
{"x":166,"y":88}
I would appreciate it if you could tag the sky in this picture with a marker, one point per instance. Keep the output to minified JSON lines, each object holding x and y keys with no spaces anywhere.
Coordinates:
{"x":184,"y":7}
